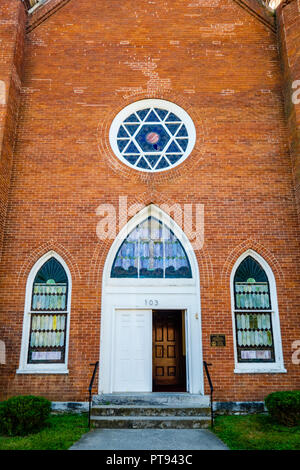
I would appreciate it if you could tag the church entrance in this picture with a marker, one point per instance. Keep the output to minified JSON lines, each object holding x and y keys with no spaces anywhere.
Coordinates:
{"x":151,"y":338}
{"x":149,"y":351}
{"x":168,"y":351}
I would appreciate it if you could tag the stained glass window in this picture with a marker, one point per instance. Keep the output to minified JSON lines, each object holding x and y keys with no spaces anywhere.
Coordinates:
{"x":48,"y":314}
{"x":253,"y":314}
{"x":154,"y":136}
{"x":251,"y":286}
{"x":151,"y":250}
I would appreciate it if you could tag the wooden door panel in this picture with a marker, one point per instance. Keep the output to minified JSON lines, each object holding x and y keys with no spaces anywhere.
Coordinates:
{"x":171,"y":352}
{"x":171,"y":371}
{"x":167,"y":348}
{"x":158,"y":333}
{"x":159,"y":352}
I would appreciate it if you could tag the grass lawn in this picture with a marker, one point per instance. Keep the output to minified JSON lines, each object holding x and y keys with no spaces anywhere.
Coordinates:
{"x":63,"y":430}
{"x":256,"y":432}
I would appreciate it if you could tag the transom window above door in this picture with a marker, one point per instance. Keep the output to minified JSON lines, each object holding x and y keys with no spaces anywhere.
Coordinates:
{"x":152,"y":135}
{"x":151,"y":250}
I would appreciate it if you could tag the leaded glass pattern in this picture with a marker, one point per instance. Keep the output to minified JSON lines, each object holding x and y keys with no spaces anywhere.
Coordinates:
{"x":47,"y":338}
{"x":50,"y":287}
{"x":48,"y":322}
{"x":253,"y":315}
{"x":153,"y":137}
{"x":251,"y":286}
{"x":254,"y":337}
{"x":151,"y":250}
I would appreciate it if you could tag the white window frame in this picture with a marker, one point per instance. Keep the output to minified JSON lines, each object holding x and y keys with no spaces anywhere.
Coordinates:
{"x":24,"y":367}
{"x":149,"y":103}
{"x":37,"y":5}
{"x":266,"y":367}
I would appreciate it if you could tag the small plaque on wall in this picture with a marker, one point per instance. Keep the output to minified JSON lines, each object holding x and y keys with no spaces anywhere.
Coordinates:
{"x":217,"y":340}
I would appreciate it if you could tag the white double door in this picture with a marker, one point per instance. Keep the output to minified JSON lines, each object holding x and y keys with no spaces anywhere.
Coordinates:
{"x":132,"y":362}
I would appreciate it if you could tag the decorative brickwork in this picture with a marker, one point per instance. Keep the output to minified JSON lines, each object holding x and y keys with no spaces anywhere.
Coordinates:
{"x":51,"y":245}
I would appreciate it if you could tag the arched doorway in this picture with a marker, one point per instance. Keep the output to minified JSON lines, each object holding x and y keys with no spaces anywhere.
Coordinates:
{"x":151,"y":318}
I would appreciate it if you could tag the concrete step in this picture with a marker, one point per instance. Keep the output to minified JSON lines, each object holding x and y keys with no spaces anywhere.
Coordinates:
{"x":150,"y":422}
{"x":149,"y":410}
{"x":155,"y":399}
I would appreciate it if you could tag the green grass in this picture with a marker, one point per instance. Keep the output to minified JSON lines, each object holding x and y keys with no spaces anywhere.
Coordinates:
{"x":251,"y":432}
{"x":256,"y":432}
{"x":62,"y":431}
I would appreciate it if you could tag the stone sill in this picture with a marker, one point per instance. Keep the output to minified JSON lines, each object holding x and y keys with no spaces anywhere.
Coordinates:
{"x":42,"y":371}
{"x":261,"y":371}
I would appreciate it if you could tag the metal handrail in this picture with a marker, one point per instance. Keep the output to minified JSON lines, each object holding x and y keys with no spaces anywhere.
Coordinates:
{"x":95,"y":364}
{"x":211,"y":391}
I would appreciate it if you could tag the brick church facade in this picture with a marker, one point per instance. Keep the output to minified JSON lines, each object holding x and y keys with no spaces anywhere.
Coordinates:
{"x":121,"y":119}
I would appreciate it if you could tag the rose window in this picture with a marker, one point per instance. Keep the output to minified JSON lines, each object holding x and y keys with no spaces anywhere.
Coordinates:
{"x":152,"y":135}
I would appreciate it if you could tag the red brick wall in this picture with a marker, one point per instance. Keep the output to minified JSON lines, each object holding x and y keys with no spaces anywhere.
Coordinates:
{"x":288,"y":15}
{"x":12,"y":34}
{"x":82,"y":66}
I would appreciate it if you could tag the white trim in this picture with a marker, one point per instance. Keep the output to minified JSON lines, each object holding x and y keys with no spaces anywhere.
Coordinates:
{"x":172,"y":294}
{"x":259,"y":368}
{"x":42,"y":371}
{"x":24,"y":367}
{"x":152,"y":103}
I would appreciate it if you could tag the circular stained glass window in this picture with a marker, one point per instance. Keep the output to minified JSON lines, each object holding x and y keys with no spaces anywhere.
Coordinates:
{"x":152,"y":135}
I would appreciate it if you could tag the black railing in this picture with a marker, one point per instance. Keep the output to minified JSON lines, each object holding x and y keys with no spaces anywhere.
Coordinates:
{"x":211,"y":391}
{"x":95,"y":364}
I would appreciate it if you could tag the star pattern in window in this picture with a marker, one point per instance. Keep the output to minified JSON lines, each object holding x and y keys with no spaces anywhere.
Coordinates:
{"x":152,"y":139}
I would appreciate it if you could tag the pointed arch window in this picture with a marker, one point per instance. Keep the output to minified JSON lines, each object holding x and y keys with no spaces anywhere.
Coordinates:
{"x":253,"y":313}
{"x":151,"y":250}
{"x":48,"y":314}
